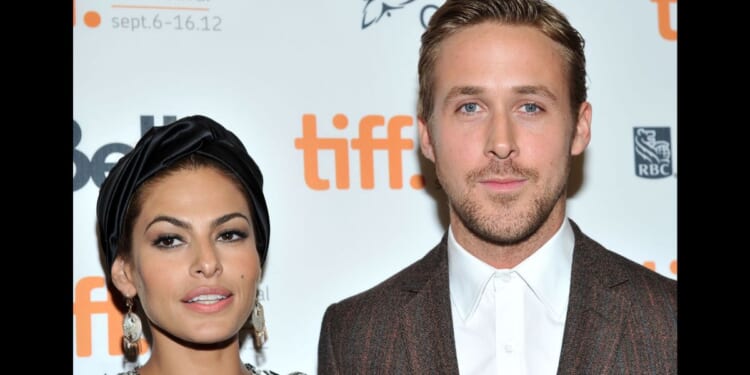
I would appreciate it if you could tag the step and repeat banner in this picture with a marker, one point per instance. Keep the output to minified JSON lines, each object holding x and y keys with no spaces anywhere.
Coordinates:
{"x":300,"y":82}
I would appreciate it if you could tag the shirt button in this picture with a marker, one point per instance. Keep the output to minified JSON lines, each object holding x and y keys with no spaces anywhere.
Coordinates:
{"x":508,"y":348}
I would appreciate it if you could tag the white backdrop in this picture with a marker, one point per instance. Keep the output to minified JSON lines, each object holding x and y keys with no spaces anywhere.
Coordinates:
{"x":260,"y":67}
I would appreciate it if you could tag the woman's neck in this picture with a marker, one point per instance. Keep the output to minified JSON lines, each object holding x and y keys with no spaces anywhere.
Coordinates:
{"x":171,"y":358}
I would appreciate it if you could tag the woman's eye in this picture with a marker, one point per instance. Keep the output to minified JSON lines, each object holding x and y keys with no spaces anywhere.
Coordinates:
{"x":232,"y":236}
{"x":167,"y":241}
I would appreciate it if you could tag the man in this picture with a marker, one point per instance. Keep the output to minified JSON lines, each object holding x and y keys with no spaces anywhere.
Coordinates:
{"x":513,"y":287}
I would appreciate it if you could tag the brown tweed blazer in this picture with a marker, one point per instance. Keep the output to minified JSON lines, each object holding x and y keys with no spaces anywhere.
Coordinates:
{"x":622,"y":319}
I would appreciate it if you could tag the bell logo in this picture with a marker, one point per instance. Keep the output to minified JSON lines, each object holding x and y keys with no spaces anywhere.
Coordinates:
{"x":84,"y":308}
{"x":365,"y":144}
{"x":100,"y":163}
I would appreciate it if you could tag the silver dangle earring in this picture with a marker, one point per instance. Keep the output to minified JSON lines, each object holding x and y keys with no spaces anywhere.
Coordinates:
{"x":131,"y":327}
{"x":258,"y":321}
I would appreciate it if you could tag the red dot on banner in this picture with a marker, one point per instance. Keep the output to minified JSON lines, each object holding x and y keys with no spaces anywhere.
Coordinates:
{"x":92,"y":19}
{"x":417,"y":182}
{"x":673,"y":266}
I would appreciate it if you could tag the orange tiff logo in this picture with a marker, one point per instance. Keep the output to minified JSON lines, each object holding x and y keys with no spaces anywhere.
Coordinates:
{"x":664,"y":17}
{"x":652,"y":266}
{"x":84,"y":308}
{"x":365,"y":144}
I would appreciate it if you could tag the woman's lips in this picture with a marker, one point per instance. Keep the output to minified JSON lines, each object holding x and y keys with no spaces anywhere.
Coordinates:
{"x":208,"y":299}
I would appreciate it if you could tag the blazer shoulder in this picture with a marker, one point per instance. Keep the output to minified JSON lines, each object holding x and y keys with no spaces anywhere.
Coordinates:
{"x":622,"y":316}
{"x":364,"y":333}
{"x":400,"y":287}
{"x":617,"y":270}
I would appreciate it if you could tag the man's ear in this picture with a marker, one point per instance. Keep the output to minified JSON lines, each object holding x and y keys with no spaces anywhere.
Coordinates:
{"x":582,"y":131}
{"x":122,"y":277}
{"x":425,"y":143}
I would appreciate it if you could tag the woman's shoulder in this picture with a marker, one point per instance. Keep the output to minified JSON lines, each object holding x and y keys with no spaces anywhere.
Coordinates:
{"x":267,"y":372}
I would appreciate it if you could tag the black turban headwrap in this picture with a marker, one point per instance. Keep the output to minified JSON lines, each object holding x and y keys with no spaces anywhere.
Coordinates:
{"x":159,"y":148}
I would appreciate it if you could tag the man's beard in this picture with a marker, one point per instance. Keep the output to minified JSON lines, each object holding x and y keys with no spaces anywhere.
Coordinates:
{"x":508,"y":223}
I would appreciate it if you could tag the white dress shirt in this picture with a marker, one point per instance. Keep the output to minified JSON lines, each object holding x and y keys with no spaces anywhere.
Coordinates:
{"x":511,"y":321}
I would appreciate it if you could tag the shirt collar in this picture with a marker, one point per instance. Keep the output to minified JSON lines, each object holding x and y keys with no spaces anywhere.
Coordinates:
{"x":467,"y":277}
{"x":546,"y":272}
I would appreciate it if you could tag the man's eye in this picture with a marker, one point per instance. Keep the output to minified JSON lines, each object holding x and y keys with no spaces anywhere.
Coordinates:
{"x":470,"y":107}
{"x":530,"y":108}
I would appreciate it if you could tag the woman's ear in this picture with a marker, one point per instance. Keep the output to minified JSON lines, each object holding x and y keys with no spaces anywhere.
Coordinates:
{"x":122,"y":277}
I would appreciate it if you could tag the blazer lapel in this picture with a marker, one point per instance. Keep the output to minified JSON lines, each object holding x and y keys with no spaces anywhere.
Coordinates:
{"x":426,"y":327}
{"x":593,"y":328}
{"x":594,"y":321}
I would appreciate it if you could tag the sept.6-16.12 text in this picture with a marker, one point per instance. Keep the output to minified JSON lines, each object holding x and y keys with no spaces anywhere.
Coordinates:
{"x":171,"y":22}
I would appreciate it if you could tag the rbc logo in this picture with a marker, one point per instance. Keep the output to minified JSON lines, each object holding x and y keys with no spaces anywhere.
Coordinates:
{"x":653,"y":152}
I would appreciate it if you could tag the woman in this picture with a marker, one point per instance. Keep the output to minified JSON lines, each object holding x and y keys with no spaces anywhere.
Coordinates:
{"x":184,"y":229}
